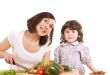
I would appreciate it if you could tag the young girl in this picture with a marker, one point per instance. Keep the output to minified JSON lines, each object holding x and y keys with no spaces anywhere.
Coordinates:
{"x":32,"y":45}
{"x":72,"y":51}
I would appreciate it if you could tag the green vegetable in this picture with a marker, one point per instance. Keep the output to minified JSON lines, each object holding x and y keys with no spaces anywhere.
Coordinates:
{"x":52,"y":68}
{"x":2,"y":72}
{"x":10,"y":72}
{"x":43,"y":62}
{"x":7,"y":72}
{"x":66,"y":68}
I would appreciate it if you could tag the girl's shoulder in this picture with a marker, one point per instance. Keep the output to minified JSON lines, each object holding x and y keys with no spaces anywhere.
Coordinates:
{"x":82,"y":46}
{"x":58,"y":47}
{"x":63,"y":44}
{"x":74,"y":44}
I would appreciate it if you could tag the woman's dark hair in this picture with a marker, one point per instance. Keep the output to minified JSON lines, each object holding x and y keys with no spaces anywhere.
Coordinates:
{"x":33,"y":22}
{"x":72,"y":25}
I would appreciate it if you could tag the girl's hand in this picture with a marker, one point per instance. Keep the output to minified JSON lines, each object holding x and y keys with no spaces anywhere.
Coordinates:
{"x":98,"y":72}
{"x":9,"y":58}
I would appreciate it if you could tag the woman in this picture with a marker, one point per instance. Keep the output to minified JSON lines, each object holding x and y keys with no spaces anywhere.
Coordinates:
{"x":32,"y":45}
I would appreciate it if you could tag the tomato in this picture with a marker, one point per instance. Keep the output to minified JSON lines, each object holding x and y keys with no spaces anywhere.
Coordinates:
{"x":41,"y":70}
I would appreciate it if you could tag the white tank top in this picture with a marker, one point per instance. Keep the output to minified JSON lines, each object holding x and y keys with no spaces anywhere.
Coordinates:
{"x":21,"y":55}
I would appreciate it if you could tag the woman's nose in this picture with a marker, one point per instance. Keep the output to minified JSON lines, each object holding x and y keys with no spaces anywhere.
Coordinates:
{"x":47,"y":27}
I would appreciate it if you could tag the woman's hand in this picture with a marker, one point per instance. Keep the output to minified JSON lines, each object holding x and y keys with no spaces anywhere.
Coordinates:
{"x":9,"y":58}
{"x":33,"y":66}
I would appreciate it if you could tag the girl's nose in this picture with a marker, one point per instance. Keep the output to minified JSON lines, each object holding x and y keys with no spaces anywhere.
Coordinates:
{"x":70,"y":33}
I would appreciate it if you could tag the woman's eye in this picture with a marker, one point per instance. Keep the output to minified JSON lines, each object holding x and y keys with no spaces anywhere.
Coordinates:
{"x":51,"y":26}
{"x":46,"y":21}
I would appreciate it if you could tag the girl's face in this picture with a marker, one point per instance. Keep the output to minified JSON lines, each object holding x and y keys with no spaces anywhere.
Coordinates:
{"x":70,"y":35}
{"x":45,"y":26}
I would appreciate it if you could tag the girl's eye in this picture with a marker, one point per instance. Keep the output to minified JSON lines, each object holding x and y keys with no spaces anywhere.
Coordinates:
{"x":73,"y":31}
{"x":67,"y":31}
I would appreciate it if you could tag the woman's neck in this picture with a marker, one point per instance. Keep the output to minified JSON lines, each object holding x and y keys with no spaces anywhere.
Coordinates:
{"x":33,"y":36}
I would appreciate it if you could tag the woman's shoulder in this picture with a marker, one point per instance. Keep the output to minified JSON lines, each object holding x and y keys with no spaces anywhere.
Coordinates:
{"x":14,"y":32}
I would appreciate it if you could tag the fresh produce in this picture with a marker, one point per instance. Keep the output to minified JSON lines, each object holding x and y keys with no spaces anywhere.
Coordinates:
{"x":41,"y":63}
{"x":49,"y":68}
{"x":52,"y":68}
{"x":42,"y":68}
{"x":66,"y":68}
{"x":2,"y":72}
{"x":8,"y":72}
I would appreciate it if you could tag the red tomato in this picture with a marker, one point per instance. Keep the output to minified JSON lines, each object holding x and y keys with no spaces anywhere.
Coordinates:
{"x":41,"y":70}
{"x":47,"y":64}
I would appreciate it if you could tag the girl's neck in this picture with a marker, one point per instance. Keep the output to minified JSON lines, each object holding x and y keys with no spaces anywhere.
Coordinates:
{"x":75,"y":42}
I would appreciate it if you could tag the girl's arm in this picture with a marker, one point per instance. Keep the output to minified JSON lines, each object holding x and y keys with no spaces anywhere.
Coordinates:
{"x":86,"y":59}
{"x":92,"y":68}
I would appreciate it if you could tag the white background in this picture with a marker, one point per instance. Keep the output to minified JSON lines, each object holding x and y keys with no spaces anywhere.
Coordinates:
{"x":94,"y":15}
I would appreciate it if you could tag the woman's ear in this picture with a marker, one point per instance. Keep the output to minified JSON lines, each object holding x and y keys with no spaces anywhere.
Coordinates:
{"x":78,"y":36}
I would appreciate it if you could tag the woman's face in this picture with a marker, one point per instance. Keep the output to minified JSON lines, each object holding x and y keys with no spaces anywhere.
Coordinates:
{"x":45,"y":26}
{"x":70,"y":35}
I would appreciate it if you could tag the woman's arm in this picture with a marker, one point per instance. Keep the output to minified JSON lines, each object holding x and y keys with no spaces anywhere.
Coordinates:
{"x":47,"y":55}
{"x":4,"y":46}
